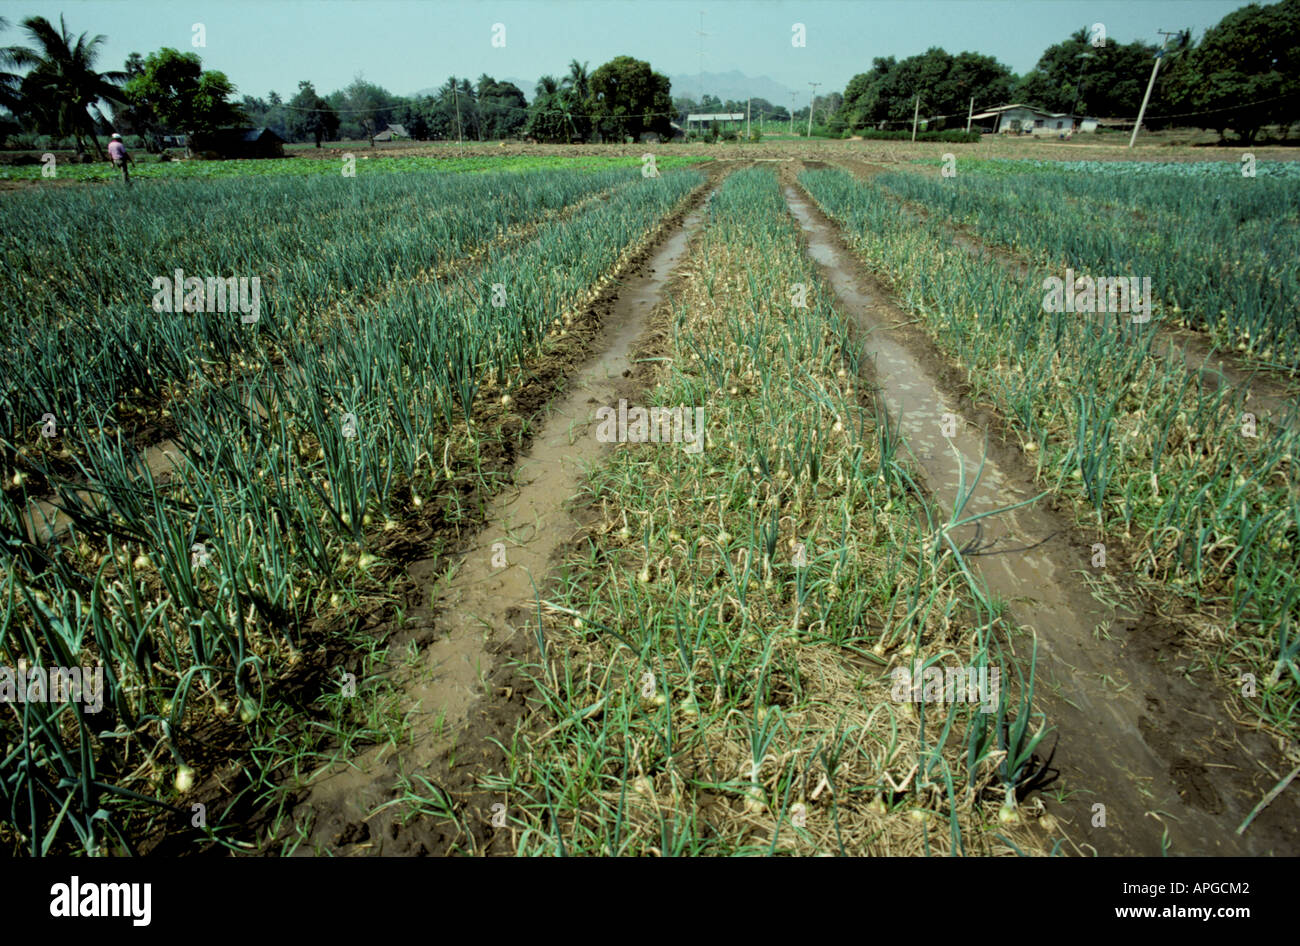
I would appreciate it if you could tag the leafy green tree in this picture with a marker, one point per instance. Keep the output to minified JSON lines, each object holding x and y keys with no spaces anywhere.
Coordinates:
{"x":417,"y":116}
{"x":549,"y":115}
{"x":628,"y":98}
{"x":1075,"y":76}
{"x":311,"y":118}
{"x":184,"y":96}
{"x":269,"y":113}
{"x":946,"y":83}
{"x":761,"y":110}
{"x":366,"y":108}
{"x":1245,"y":72}
{"x":502,"y":108}
{"x":138,"y":118}
{"x":61,"y":92}
{"x":459,"y":113}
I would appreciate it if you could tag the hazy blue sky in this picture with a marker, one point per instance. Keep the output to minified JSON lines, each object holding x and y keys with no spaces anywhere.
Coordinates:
{"x":405,"y":45}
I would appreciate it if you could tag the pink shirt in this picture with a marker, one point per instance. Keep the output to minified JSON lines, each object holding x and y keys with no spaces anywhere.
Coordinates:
{"x":116,"y":150}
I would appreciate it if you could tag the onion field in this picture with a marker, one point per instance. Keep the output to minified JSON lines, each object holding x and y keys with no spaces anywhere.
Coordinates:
{"x":1223,"y":249}
{"x":381,"y":352}
{"x":1206,"y":499}
{"x":736,"y":505}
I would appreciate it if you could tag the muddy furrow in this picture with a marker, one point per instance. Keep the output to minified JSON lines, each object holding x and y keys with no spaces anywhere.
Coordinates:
{"x":456,"y":696}
{"x":1267,"y":396}
{"x":1137,"y":734}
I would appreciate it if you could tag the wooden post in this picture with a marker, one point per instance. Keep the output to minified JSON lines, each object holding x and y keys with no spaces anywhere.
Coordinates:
{"x":916,"y":113}
{"x":970,"y":114}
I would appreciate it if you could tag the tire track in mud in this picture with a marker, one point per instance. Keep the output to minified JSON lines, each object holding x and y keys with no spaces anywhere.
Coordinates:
{"x":1265,"y":394}
{"x":464,"y":694}
{"x":1134,"y":732}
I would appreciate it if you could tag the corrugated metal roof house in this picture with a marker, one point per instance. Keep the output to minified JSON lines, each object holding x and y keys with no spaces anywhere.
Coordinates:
{"x":1017,"y":119}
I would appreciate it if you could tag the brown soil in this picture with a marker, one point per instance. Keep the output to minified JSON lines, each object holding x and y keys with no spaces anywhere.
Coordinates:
{"x":1142,"y":732}
{"x":478,"y":626}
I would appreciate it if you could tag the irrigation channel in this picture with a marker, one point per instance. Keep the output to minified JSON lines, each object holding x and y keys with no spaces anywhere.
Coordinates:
{"x":1262,"y":395}
{"x":1174,"y":773}
{"x":481,"y":606}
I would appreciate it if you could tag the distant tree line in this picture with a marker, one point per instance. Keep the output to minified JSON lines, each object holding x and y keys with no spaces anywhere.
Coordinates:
{"x":50,"y":86}
{"x":1242,"y":75}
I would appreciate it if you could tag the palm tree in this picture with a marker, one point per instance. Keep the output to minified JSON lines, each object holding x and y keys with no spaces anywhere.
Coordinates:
{"x":547,"y":85}
{"x":549,"y":119}
{"x":578,"y":86}
{"x":578,"y":79}
{"x":9,"y":81}
{"x":62,"y":88}
{"x":459,"y":94}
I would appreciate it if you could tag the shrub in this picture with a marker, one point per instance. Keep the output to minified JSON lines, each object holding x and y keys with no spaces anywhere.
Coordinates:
{"x":952,"y":135}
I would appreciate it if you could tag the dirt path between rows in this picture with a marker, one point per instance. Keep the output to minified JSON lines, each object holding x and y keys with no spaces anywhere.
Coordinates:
{"x":464,"y":694}
{"x":1137,"y":734}
{"x":1268,"y":395}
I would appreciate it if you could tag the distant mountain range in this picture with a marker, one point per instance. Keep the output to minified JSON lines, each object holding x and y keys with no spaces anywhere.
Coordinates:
{"x":725,"y":85}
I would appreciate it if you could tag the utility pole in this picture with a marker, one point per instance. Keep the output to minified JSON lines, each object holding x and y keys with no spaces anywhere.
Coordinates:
{"x":916,"y":113}
{"x":455,"y":90}
{"x":811,"y":99}
{"x":970,"y":114}
{"x":1075,"y":119}
{"x":793,"y":96}
{"x":749,"y":115}
{"x":1151,"y":84}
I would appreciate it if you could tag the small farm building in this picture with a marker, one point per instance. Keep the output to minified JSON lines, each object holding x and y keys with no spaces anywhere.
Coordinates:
{"x":1025,"y":119}
{"x":702,"y":122}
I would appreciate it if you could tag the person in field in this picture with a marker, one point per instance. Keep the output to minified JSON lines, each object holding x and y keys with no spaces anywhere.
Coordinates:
{"x":117,"y":154}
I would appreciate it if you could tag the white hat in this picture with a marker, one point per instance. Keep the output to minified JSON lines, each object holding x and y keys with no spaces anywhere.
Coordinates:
{"x":116,"y":135}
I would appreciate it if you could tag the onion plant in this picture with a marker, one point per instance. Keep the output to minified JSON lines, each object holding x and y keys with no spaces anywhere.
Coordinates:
{"x":194,"y":581}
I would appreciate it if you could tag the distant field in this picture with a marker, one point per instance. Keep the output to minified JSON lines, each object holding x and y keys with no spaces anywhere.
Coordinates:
{"x":991,"y":155}
{"x":298,"y":167}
